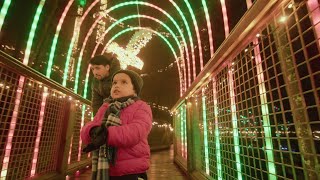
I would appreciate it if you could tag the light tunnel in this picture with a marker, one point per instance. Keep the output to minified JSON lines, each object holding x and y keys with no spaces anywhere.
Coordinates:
{"x":161,"y":10}
{"x":74,"y":43}
{"x":116,"y":7}
{"x":234,"y":115}
{"x":116,"y":23}
{"x":134,"y":3}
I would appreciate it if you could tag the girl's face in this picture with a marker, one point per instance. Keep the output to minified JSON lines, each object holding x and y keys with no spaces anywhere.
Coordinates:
{"x":122,"y":86}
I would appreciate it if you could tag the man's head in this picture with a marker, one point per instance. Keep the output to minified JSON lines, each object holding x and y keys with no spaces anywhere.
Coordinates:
{"x":126,"y":83}
{"x":100,"y":66}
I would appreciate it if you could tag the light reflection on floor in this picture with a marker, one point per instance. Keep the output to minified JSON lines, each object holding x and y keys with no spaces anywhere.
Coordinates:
{"x":161,"y":168}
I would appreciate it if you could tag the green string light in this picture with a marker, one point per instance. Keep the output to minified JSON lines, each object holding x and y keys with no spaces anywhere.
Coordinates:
{"x":32,"y":32}
{"x":216,"y":129}
{"x":205,"y":134}
{"x":82,"y":3}
{"x":193,"y":17}
{"x":4,"y":11}
{"x":55,"y":39}
{"x":236,"y":138}
{"x":148,"y":17}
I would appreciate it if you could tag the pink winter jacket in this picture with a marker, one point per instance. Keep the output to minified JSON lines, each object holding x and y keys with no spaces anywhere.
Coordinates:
{"x":130,"y":139}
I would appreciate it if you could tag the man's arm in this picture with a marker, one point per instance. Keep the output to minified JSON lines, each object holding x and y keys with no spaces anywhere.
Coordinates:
{"x":96,"y":101}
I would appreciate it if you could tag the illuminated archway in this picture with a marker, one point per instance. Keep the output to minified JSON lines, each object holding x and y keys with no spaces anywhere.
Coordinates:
{"x":85,"y":42}
{"x":125,"y":4}
{"x":51,"y":54}
{"x":164,"y":12}
{"x":55,"y":39}
{"x":69,"y":54}
{"x":127,"y":30}
{"x":74,"y":39}
{"x":195,"y":24}
{"x":111,"y":27}
{"x":57,"y":33}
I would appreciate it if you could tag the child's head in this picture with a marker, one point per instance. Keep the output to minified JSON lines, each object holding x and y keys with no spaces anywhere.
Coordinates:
{"x":126,"y":83}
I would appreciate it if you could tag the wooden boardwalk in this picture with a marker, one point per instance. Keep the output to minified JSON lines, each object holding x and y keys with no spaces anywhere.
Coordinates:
{"x":162,"y":168}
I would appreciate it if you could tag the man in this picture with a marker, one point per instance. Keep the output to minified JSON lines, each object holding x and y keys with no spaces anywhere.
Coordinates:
{"x":103,"y":67}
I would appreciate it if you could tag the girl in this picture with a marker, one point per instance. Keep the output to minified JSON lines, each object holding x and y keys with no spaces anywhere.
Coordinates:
{"x":118,"y":133}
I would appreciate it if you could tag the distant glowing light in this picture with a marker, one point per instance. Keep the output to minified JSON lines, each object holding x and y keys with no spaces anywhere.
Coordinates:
{"x":283,"y":19}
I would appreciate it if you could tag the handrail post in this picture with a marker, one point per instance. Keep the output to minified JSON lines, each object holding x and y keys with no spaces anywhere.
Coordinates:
{"x":68,"y":128}
{"x":192,"y":119}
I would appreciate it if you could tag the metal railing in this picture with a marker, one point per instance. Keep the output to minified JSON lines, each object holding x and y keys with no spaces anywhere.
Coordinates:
{"x":40,"y":124}
{"x":254,"y":111}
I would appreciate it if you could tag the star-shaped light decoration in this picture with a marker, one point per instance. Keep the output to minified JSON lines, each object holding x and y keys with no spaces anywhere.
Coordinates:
{"x":128,"y":56}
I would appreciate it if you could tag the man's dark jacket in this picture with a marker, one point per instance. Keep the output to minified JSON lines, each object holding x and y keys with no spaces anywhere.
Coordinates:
{"x":101,"y":88}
